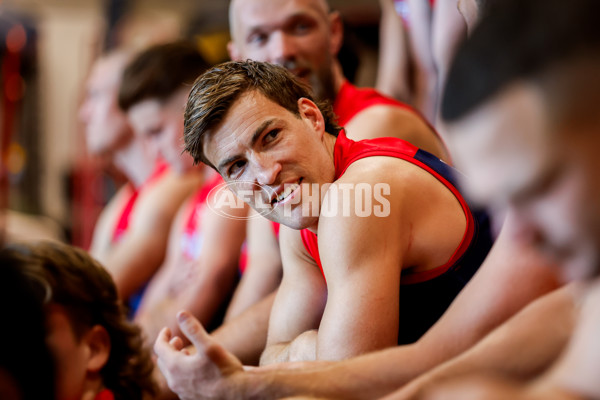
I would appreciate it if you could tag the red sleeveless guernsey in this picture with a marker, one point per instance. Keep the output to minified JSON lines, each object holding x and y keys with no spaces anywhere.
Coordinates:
{"x":351,"y":100}
{"x":431,"y":290}
{"x":123,"y":222}
{"x":192,"y":238}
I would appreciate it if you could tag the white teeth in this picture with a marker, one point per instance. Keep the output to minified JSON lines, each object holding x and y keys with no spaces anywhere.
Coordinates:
{"x":287,"y":191}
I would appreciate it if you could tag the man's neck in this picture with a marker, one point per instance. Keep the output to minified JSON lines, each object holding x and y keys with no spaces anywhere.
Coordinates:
{"x":132,"y":160}
{"x":338,"y":77}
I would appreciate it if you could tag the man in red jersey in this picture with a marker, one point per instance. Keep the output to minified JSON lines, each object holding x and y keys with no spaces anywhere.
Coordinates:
{"x":258,"y":127}
{"x":305,"y":37}
{"x":130,"y":237}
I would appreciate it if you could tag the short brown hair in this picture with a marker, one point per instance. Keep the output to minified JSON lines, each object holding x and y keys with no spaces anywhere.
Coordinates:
{"x":217,"y":89}
{"x":159,"y":72}
{"x":71,"y":278}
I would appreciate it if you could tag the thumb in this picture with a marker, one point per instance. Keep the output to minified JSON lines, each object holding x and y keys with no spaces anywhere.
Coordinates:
{"x":193,"y":330}
{"x":205,"y":344}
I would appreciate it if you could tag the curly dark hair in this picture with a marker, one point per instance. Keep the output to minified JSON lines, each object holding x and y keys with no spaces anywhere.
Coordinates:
{"x":216,"y":90}
{"x":21,"y":307}
{"x":71,"y":278}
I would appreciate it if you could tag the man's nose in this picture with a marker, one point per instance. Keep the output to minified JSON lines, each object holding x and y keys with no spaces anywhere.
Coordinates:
{"x":282,"y":48}
{"x":266,"y":169}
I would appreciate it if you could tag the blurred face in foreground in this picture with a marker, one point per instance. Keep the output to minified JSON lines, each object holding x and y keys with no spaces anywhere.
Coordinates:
{"x":516,"y":155}
{"x":301,"y":35}
{"x":78,"y":360}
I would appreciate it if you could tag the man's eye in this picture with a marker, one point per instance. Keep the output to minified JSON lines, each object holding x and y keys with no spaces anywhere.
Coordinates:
{"x":236,"y":167}
{"x":257,"y":38}
{"x":301,"y":28}
{"x":272,"y":135}
{"x":153,"y":132}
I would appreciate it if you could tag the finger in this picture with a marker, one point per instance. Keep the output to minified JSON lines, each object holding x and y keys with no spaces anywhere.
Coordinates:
{"x":176,"y":343}
{"x":161,"y":345}
{"x":193,"y":330}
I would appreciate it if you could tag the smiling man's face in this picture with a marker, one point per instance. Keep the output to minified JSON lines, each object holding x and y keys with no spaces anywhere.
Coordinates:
{"x":263,"y":148}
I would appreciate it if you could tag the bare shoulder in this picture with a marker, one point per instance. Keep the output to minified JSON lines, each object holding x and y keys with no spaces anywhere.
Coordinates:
{"x":112,"y":211}
{"x":107,"y":222}
{"x":399,"y":122}
{"x":161,"y":200}
{"x":401,"y":174}
{"x":117,"y":202}
{"x":365,"y":211}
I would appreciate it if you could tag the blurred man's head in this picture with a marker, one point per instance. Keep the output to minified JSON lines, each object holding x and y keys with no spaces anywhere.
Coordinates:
{"x":106,"y":126}
{"x":153,"y":94}
{"x":22,"y":311}
{"x":521,"y":102}
{"x":302,"y":35}
{"x":87,"y":330}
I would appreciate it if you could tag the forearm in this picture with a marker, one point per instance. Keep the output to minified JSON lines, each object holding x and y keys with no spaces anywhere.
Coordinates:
{"x":209,"y":291}
{"x":392,"y":72}
{"x":131,"y":266}
{"x":365,"y":377}
{"x":251,"y":291}
{"x":246,"y":335}
{"x":521,"y":348}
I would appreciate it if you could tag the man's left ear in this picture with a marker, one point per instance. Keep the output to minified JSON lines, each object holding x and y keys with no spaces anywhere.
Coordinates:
{"x":336,"y":31}
{"x":97,"y":341}
{"x":309,"y":110}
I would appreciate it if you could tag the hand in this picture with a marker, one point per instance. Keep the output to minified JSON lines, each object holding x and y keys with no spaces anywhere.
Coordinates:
{"x":209,"y":372}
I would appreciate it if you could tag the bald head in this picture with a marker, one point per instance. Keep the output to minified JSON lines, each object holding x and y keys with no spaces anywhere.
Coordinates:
{"x":234,"y":10}
{"x":301,"y":35}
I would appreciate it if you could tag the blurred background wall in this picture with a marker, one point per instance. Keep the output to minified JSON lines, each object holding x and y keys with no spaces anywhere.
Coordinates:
{"x":49,"y":185}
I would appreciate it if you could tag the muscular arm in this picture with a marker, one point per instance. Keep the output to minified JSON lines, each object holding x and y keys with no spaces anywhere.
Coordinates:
{"x":298,"y":306}
{"x":223,"y":234}
{"x":263,"y":270}
{"x":245,"y":336}
{"x":135,"y":258}
{"x":448,"y":31}
{"x":577,"y":370}
{"x":425,"y":74}
{"x":511,"y":277}
{"x":363,"y":280}
{"x":392,"y":70}
{"x":200,"y":285}
{"x":521,"y":348}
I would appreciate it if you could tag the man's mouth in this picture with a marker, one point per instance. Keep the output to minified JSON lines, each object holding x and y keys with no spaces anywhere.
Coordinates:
{"x":286,"y":193}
